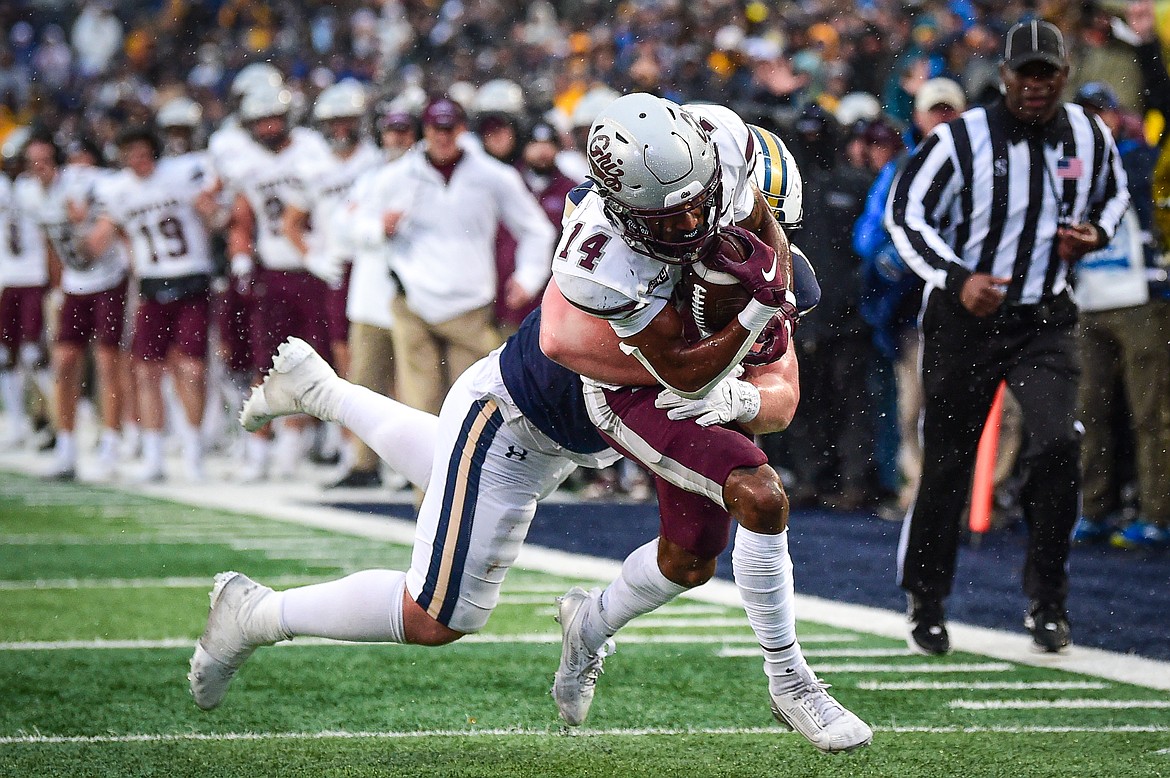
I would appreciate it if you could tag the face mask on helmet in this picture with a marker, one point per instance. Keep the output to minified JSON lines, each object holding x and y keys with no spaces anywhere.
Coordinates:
{"x":342,"y":134}
{"x":270,"y":132}
{"x":677,"y":235}
{"x":658,"y":173}
{"x":177,"y":141}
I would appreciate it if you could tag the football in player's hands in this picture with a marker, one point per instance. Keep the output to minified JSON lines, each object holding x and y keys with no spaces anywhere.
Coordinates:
{"x":752,"y":262}
{"x":712,"y":297}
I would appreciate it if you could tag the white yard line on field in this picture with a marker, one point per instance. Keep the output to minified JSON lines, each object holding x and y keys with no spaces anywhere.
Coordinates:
{"x":41,"y":739}
{"x":932,"y":667}
{"x":1064,"y":704}
{"x":668,"y":620}
{"x":143,"y":583}
{"x":825,"y":653}
{"x":908,"y":686}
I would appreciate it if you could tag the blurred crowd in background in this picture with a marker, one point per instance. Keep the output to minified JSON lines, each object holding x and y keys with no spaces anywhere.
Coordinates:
{"x":838,"y":80}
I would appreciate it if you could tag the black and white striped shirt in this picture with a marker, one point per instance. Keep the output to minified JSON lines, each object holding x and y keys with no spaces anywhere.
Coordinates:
{"x":985,"y":193}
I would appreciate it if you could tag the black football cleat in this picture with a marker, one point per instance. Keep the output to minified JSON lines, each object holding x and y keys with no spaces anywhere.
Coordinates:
{"x":1047,"y":622}
{"x":928,"y":626}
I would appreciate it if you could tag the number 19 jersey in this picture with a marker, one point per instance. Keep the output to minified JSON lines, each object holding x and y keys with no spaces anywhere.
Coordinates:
{"x":158,"y":216}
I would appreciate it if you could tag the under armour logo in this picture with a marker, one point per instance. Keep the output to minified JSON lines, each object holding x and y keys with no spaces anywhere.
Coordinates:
{"x":518,"y":454}
{"x":1001,"y":167}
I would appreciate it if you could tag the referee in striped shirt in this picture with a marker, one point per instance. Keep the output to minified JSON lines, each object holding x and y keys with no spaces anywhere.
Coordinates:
{"x":991,"y":210}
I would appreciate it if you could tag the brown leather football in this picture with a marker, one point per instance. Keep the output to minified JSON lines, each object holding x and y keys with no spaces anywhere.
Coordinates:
{"x":711,"y":297}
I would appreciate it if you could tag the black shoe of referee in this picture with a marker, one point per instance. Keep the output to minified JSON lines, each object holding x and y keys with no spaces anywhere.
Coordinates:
{"x":1048,"y":624}
{"x":928,"y":626}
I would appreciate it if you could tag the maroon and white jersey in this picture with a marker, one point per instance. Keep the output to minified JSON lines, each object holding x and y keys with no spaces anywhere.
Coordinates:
{"x":269,"y":181}
{"x":228,"y":149}
{"x":23,"y":259}
{"x":49,"y":206}
{"x":157,"y":214}
{"x":326,"y":183}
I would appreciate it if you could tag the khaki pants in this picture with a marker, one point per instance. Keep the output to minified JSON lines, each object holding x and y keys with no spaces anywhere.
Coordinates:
{"x":429,"y":357}
{"x":371,"y":364}
{"x":1130,"y":344}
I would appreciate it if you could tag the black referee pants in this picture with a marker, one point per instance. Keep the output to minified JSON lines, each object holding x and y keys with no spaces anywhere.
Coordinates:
{"x":964,"y":359}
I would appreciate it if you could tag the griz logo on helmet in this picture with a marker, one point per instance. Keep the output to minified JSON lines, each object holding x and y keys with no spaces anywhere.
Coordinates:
{"x":607,"y":169}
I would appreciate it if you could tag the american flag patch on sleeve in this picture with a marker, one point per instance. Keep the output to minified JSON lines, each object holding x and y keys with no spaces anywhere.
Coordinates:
{"x":1070,"y":167}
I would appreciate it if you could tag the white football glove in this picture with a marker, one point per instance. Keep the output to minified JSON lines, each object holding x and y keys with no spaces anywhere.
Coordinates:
{"x":730,"y":400}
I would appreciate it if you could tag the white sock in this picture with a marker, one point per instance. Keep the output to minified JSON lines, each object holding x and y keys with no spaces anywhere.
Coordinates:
{"x":365,"y":606}
{"x":402,"y":436}
{"x":640,"y":589}
{"x":152,"y":448}
{"x":289,"y":446}
{"x":43,"y":380}
{"x":108,"y":444}
{"x":763,"y":573}
{"x":12,"y":396}
{"x":66,"y":447}
{"x":256,"y":450}
{"x":331,"y":440}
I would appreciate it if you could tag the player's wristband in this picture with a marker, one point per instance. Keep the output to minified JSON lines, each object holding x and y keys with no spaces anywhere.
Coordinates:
{"x":242,"y":264}
{"x":755,"y":315}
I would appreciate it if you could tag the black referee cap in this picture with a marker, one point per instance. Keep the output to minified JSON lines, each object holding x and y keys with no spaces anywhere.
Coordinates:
{"x":1034,"y":41}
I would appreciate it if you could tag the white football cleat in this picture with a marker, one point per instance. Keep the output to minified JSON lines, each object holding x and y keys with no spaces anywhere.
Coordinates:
{"x":299,"y":382}
{"x":244,"y":616}
{"x":576,"y":678}
{"x":810,"y":710}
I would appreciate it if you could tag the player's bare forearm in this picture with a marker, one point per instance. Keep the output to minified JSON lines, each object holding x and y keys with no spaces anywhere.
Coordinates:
{"x":683,"y":367}
{"x":295,"y":224}
{"x":241,"y":228}
{"x":585,"y":344}
{"x":779,"y":385}
{"x":100,"y":238}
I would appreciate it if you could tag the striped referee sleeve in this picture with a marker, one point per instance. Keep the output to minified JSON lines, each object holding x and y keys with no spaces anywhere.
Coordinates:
{"x":1110,"y":187}
{"x":922,"y":193}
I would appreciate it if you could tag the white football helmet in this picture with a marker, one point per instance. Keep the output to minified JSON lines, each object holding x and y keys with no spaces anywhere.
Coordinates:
{"x":254,"y":75}
{"x":347,"y":99}
{"x":857,"y":106}
{"x":652,"y":163}
{"x":590,"y":105}
{"x":777,"y":177}
{"x":179,"y":112}
{"x":462,"y":92}
{"x":499,"y":96}
{"x":264,"y":101}
{"x":14,"y":143}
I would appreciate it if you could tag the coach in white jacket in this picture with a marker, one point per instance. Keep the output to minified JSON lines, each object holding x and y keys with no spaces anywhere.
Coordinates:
{"x":439,"y":206}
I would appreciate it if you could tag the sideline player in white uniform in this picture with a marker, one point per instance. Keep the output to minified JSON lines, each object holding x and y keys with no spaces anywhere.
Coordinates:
{"x":513,"y":421}
{"x":180,"y":121}
{"x":93,"y":308}
{"x":288,"y":299}
{"x":340,"y":111}
{"x":160,"y":208}
{"x":24,"y":278}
